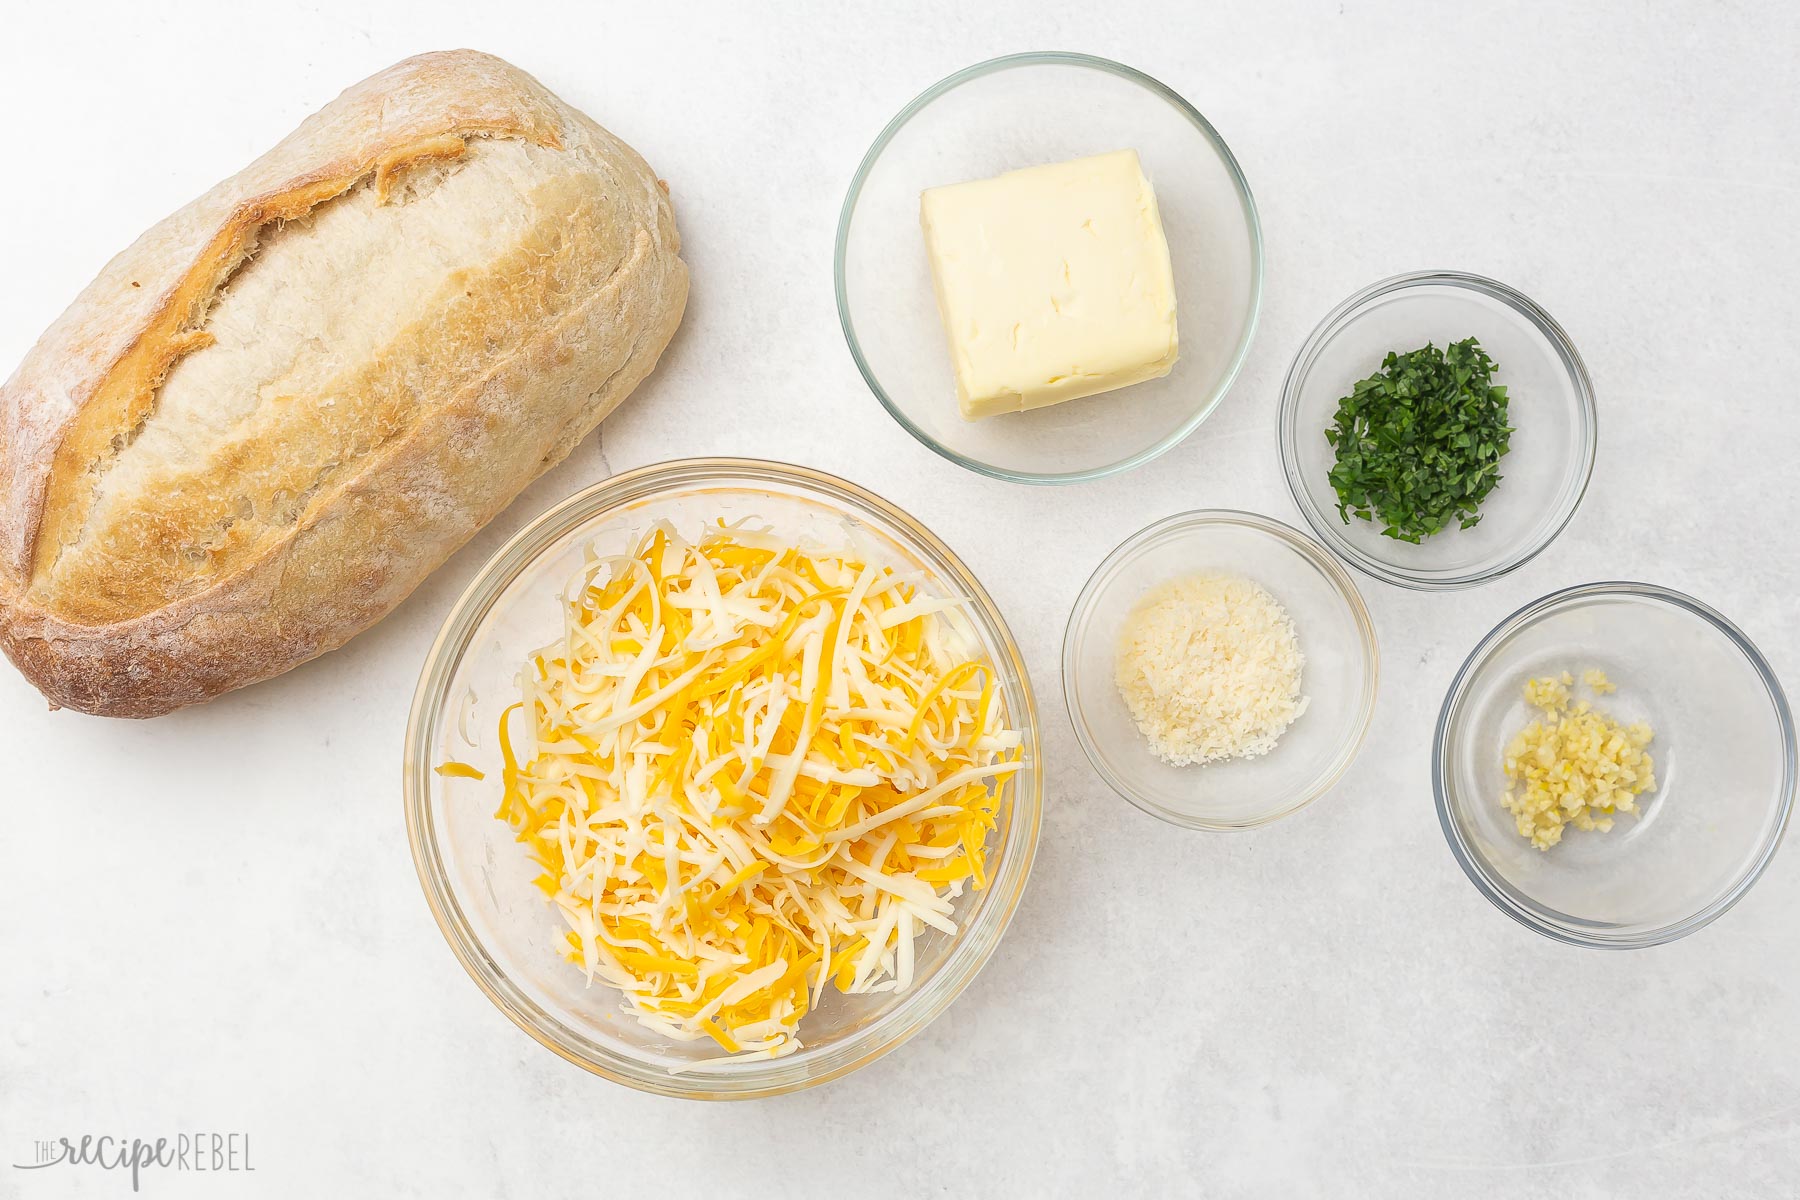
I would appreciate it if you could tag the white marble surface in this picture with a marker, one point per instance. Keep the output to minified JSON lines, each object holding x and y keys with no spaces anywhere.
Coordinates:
{"x":211,"y":920}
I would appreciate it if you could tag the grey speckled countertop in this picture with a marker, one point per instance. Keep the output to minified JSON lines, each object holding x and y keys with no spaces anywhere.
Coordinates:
{"x":211,"y":921}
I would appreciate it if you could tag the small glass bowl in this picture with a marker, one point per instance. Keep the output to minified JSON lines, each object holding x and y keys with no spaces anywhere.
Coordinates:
{"x":478,"y":879}
{"x":1336,"y":636}
{"x":1550,"y":404}
{"x":1020,"y":111}
{"x":1723,"y":752}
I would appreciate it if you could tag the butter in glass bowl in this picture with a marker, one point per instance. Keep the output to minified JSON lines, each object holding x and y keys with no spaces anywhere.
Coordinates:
{"x":1053,"y":282}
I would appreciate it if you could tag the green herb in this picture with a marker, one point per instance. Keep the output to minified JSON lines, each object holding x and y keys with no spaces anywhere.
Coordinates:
{"x":1419,"y":443}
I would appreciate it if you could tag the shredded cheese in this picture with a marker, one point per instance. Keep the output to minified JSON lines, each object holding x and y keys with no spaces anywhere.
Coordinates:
{"x":750,"y":769}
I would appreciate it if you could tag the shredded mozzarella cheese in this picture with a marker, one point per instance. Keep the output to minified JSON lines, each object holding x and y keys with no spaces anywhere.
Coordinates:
{"x":753,"y":768}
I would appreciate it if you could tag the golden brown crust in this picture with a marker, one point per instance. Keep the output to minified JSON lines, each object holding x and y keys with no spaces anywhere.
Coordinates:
{"x":131,"y":612}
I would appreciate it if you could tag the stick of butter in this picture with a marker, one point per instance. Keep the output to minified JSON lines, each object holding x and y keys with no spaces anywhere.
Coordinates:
{"x":1053,"y":282}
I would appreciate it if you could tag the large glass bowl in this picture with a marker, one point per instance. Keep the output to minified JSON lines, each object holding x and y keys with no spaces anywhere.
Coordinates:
{"x":1339,"y":677}
{"x":1550,"y":404}
{"x":1020,"y":111}
{"x":478,"y":879}
{"x":1723,"y":751}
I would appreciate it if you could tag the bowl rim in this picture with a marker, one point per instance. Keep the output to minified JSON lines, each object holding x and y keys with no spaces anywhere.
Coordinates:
{"x":1502,"y":895}
{"x":1322,"y":522}
{"x":768,"y":1077}
{"x":1308,"y":548}
{"x":1067,"y":58}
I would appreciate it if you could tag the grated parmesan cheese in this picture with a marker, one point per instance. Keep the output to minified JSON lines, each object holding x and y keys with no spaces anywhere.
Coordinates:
{"x":1209,"y":668}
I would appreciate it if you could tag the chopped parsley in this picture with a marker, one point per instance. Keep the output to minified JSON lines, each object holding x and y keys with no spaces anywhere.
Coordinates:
{"x":1419,"y":442}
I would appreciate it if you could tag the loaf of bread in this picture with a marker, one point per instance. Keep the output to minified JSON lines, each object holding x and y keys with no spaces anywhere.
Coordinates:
{"x":283,"y":406}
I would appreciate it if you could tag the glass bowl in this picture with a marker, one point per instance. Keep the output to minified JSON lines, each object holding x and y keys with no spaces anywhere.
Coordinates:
{"x":1550,"y":404}
{"x":1021,"y":111}
{"x":1723,"y":751}
{"x":1336,"y":636}
{"x":477,"y":878}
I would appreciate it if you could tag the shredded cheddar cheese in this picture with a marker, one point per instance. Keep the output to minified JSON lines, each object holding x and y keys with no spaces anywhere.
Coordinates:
{"x":750,"y":769}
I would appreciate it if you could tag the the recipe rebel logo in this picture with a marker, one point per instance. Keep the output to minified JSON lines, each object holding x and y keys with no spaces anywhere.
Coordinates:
{"x":193,"y":1153}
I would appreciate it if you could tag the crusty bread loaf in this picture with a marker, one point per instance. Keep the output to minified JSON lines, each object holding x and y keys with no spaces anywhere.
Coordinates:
{"x":283,"y":406}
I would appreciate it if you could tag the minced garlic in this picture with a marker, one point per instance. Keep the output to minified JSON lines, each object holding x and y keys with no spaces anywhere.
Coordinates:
{"x":1209,"y":668}
{"x":1575,"y":766}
